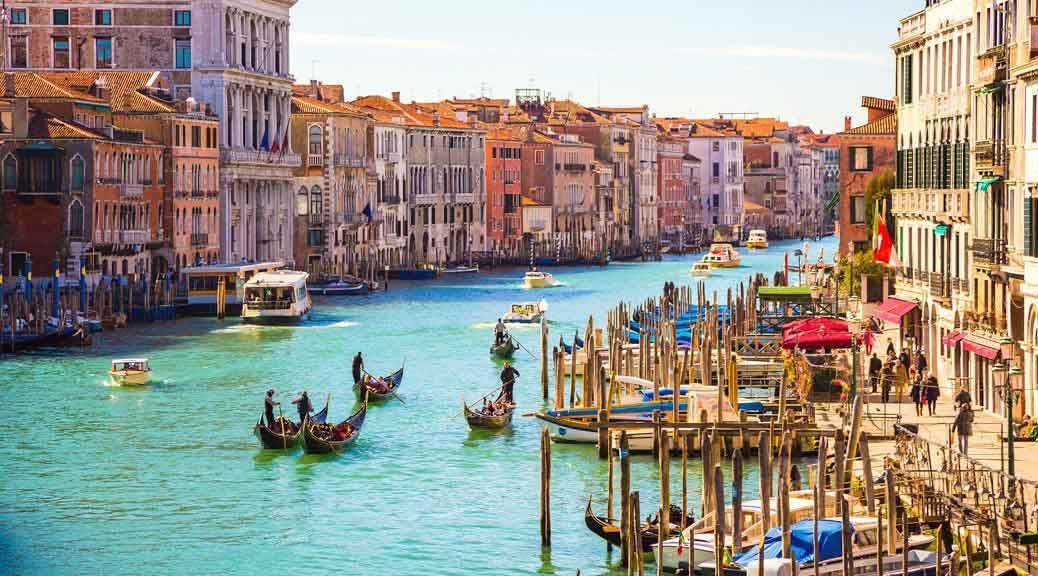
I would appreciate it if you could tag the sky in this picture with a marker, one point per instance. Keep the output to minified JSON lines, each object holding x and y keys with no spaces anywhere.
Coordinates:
{"x":804,"y":61}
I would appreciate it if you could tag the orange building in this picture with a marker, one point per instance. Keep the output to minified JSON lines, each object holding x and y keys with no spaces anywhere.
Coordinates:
{"x":865,"y":151}
{"x":504,"y":187}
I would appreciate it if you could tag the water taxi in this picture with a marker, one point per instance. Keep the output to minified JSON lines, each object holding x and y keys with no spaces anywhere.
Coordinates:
{"x":722,"y":256}
{"x":701,"y":268}
{"x":758,"y":239}
{"x":204,"y":285}
{"x":537,"y":279}
{"x":461,"y":270}
{"x":130,"y":371}
{"x":526,"y":312}
{"x":276,"y":297}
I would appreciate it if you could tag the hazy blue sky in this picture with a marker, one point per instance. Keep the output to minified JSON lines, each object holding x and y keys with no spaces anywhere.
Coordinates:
{"x":807,"y":61}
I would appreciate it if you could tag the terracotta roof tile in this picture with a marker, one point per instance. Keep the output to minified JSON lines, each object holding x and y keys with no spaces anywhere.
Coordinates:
{"x":877,"y":103}
{"x":46,"y":126}
{"x":885,"y":126}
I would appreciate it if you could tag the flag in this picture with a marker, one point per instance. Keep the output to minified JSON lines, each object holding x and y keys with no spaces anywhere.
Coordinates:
{"x":367,"y":211}
{"x":275,"y":148}
{"x":265,"y":142}
{"x":883,"y":249}
{"x":681,"y":543}
{"x":284,"y":143}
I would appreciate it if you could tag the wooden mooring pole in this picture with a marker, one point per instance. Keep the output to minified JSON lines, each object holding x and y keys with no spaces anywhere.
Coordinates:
{"x":545,"y":489}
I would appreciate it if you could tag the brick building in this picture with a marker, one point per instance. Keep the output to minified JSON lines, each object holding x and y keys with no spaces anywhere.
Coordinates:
{"x":865,"y":151}
{"x":504,"y":159}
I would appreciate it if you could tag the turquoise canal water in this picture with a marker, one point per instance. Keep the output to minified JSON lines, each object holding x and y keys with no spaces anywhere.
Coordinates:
{"x":168,"y":479}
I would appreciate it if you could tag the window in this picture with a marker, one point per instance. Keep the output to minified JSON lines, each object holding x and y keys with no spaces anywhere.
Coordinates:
{"x":857,"y":209}
{"x":181,"y":17}
{"x":103,"y":53}
{"x":19,"y":52}
{"x":18,"y":16}
{"x":60,"y":53}
{"x":77,"y":174}
{"x":716,"y":170}
{"x":10,"y":173}
{"x":538,"y":157}
{"x":75,"y":219}
{"x":301,"y":202}
{"x":183,"y":50}
{"x":315,"y":140}
{"x":860,"y":158}
{"x":196,"y":136}
{"x":103,"y":17}
{"x":60,"y":17}
{"x":316,"y":210}
{"x":6,"y":121}
{"x":906,"y":94}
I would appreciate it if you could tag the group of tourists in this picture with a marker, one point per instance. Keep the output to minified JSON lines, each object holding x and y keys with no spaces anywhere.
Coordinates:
{"x":898,"y":371}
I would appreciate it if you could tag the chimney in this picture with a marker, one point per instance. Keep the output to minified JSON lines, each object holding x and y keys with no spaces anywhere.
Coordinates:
{"x":315,"y":89}
{"x":396,"y":97}
{"x":846,"y":123}
{"x":435,"y":115}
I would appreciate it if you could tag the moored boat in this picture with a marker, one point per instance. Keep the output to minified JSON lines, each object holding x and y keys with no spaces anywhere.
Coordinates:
{"x":526,"y":312}
{"x":130,"y":371}
{"x":461,"y":270}
{"x":538,"y":279}
{"x":375,"y":391}
{"x":287,"y":437}
{"x":322,"y":438}
{"x":757,"y":240}
{"x":338,"y":287}
{"x":609,"y":530}
{"x":277,"y":297}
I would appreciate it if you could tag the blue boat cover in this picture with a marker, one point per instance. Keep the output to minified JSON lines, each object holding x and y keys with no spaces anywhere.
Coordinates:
{"x":753,"y":407}
{"x":569,"y":349}
{"x":802,"y":533}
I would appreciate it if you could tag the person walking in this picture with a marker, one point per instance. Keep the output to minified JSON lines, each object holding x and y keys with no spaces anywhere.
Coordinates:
{"x":904,"y":365}
{"x":963,"y":427}
{"x":963,"y":397}
{"x":917,"y":395}
{"x":875,"y":366}
{"x":933,"y":392}
{"x":887,"y":380}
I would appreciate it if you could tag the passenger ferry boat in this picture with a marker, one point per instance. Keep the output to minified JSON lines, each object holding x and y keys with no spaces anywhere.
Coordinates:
{"x":701,"y":268}
{"x":758,"y":239}
{"x":537,"y":279}
{"x":276,"y":297}
{"x":526,"y":312}
{"x":203,"y":285}
{"x":722,"y":256}
{"x":130,"y":371}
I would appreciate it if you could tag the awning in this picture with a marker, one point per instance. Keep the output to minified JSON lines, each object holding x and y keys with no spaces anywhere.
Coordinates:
{"x":817,"y":333}
{"x":991,"y":87}
{"x":833,"y":201}
{"x":952,"y":338}
{"x":940,"y":229}
{"x":983,"y":185}
{"x":892,"y":309}
{"x":980,"y":349}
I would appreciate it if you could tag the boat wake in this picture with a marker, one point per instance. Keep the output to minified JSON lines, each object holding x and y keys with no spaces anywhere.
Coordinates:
{"x":237,"y":328}
{"x":339,"y":324}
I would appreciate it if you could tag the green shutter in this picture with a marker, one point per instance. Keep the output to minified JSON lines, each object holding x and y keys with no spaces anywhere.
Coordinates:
{"x":1028,"y":234}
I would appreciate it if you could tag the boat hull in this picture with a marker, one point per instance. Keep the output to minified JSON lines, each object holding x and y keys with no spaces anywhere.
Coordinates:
{"x":131,"y":378}
{"x":538,"y":282}
{"x":569,"y":431}
{"x":484,"y":422}
{"x":314,"y":445}
{"x":503,"y":350}
{"x":756,"y":245}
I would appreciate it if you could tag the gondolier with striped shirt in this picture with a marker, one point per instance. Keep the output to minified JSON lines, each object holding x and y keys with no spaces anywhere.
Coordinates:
{"x":508,"y":376}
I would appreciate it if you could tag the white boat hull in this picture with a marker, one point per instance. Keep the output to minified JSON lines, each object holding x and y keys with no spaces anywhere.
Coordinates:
{"x":566,"y":434}
{"x":130,"y":378}
{"x":539,"y":282}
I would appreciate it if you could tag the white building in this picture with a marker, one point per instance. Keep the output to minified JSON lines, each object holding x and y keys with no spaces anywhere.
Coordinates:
{"x":240,"y":60}
{"x":721,"y":175}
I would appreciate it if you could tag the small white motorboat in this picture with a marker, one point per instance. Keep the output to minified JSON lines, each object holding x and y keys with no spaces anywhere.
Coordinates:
{"x":701,"y":268}
{"x":130,"y":371}
{"x":537,"y":279}
{"x":723,"y":256}
{"x":757,"y":240}
{"x":526,"y":312}
{"x":276,"y":297}
{"x":461,"y":270}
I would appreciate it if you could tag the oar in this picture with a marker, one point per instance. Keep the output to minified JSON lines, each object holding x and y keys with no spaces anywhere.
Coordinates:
{"x":281,"y":415}
{"x":523,"y":347}
{"x":481,"y":397}
{"x":391,"y":392}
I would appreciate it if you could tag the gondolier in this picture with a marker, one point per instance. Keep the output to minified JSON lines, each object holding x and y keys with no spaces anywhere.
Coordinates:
{"x":358,"y":367}
{"x":268,"y":407}
{"x":508,"y":376}
{"x":499,"y":331}
{"x":303,"y":406}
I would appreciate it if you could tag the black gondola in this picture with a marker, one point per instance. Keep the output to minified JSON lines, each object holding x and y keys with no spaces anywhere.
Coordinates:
{"x":610,"y":532}
{"x":477,"y":419}
{"x":394,"y":381}
{"x":313,"y":444}
{"x":503,"y":349}
{"x":273,"y":437}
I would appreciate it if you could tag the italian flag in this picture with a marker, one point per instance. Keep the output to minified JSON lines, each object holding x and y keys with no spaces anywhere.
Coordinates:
{"x":883,"y":249}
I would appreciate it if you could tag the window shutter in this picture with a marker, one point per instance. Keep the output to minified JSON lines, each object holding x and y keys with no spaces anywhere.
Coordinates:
{"x":1028,"y":233}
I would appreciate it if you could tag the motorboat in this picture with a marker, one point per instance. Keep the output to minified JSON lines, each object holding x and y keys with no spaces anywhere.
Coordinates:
{"x":701,"y":268}
{"x":538,"y":279}
{"x":338,"y":287}
{"x":757,"y":240}
{"x":526,"y":312}
{"x":130,"y":371}
{"x":722,"y":256}
{"x":277,"y":297}
{"x":461,"y":270}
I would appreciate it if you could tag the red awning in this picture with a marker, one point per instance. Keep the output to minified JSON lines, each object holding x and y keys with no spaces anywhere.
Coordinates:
{"x":980,"y":349}
{"x":892,"y":309}
{"x":952,"y":338}
{"x":816,"y":333}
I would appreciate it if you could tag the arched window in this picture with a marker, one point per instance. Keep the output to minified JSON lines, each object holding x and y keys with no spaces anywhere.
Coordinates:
{"x":75,"y":219}
{"x":77,"y":174}
{"x":301,"y":202}
{"x":316,"y":210}
{"x":10,"y":173}
{"x":315,"y":139}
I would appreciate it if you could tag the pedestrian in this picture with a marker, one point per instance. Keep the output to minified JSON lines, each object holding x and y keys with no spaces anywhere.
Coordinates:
{"x":887,"y":380}
{"x":933,"y":392}
{"x":904,"y":365}
{"x":920,"y":361}
{"x":891,"y":351}
{"x":869,"y":339}
{"x":358,"y":367}
{"x":875,"y":366}
{"x":963,"y":427}
{"x":917,"y":395}
{"x":963,"y":397}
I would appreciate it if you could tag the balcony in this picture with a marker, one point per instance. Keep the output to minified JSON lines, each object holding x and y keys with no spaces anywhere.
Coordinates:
{"x":940,"y":286}
{"x":125,"y":237}
{"x":349,"y":160}
{"x":989,"y":252}
{"x":264,"y":157}
{"x":314,"y":160}
{"x":391,"y":199}
{"x":574,"y":167}
{"x":991,"y":156}
{"x":199,"y":239}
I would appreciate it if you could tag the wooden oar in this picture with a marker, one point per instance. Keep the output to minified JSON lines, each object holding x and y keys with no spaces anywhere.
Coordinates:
{"x":391,"y":392}
{"x":481,"y":397}
{"x":527,"y":350}
{"x":281,"y":415}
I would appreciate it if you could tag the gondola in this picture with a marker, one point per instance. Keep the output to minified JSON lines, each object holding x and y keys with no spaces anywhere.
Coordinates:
{"x":272,"y":437}
{"x":610,"y":532}
{"x":503,"y":349}
{"x":314,"y":445}
{"x":480,"y":420}
{"x":394,"y":380}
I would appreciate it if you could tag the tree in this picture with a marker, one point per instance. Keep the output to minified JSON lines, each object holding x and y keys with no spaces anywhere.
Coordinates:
{"x":877,"y":190}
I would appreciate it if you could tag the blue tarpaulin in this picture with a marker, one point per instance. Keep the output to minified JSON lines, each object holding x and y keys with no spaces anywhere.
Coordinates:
{"x":802,"y":533}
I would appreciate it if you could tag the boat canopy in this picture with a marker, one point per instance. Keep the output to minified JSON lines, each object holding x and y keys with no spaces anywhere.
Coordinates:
{"x":815,"y":333}
{"x":129,"y":360}
{"x":830,"y":544}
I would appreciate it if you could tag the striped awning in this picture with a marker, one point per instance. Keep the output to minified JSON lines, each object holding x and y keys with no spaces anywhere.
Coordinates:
{"x":952,"y":338}
{"x":980,"y":349}
{"x":893,"y":309}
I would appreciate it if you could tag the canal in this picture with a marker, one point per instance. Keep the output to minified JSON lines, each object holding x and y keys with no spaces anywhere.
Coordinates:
{"x":169,"y":478}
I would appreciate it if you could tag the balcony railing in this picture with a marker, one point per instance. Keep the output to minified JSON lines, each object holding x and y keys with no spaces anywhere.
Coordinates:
{"x":314,"y":160}
{"x":125,"y":236}
{"x":988,"y":251}
{"x":574,"y":167}
{"x":199,"y":239}
{"x":248,"y":156}
{"x":991,"y":156}
{"x":940,"y":287}
{"x":342,"y":159}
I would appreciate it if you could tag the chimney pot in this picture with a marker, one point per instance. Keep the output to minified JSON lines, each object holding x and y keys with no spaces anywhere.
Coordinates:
{"x":846,"y":123}
{"x":396,"y":97}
